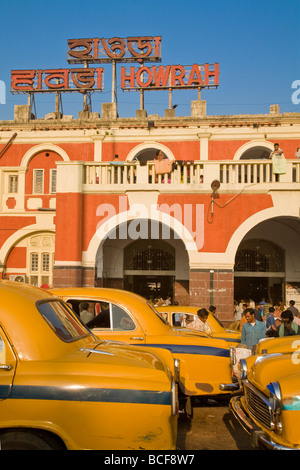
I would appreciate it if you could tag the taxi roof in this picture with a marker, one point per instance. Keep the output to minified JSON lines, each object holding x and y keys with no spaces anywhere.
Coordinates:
{"x":24,"y":325}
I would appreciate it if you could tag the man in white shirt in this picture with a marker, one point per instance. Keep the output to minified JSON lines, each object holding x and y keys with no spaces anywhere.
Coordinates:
{"x":200,"y":323}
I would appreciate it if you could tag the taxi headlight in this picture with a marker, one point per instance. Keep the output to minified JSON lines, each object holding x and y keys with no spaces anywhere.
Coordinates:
{"x":275,"y":402}
{"x":232,"y":356}
{"x":174,"y":399}
{"x":177,"y":370}
{"x":243,"y":369}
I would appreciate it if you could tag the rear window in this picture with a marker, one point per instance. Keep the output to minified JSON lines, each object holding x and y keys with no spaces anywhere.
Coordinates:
{"x":61,"y":321}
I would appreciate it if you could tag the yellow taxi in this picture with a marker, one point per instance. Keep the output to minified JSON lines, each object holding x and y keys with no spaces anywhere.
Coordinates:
{"x":63,"y":388}
{"x":124,"y":316}
{"x":180,"y":317}
{"x":282,"y":344}
{"x":269,"y":405}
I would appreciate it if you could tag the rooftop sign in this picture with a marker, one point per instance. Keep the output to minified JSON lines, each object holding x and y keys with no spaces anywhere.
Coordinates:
{"x":139,"y":49}
{"x":170,"y":77}
{"x":54,"y":80}
{"x":100,"y":50}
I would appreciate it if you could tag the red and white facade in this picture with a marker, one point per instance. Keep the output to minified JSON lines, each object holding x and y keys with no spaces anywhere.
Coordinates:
{"x":68,"y":216}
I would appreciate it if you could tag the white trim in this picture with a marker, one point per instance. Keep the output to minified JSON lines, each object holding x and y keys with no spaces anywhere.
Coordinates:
{"x":43,"y":148}
{"x":146,"y":146}
{"x":251,"y":144}
{"x":246,"y":226}
{"x":89,"y":256}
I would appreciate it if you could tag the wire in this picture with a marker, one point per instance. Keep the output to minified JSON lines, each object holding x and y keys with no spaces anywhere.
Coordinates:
{"x":226,"y":203}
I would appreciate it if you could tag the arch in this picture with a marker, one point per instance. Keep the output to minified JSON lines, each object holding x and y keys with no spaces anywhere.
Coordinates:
{"x":18,"y":236}
{"x":110,"y":226}
{"x":42,"y":148}
{"x":260,"y":145}
{"x":149,"y":148}
{"x":249,"y":224}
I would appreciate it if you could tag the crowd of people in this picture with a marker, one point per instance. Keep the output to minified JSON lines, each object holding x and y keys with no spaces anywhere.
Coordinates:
{"x":257,"y":320}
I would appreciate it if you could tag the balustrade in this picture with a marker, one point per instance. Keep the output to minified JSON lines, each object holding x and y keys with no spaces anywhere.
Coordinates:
{"x":229,"y":173}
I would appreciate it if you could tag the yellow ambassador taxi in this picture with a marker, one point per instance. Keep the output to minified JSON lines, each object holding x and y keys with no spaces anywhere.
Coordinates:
{"x":280,"y":344}
{"x":269,"y":404}
{"x":204,"y":361}
{"x":62,"y":388}
{"x":179,"y":317}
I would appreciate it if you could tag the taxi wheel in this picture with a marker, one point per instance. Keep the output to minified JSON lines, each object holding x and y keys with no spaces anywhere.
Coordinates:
{"x":28,"y":440}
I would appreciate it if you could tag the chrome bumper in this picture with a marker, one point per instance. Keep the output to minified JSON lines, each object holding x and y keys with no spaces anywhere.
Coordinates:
{"x":231,"y":387}
{"x":258,"y":437}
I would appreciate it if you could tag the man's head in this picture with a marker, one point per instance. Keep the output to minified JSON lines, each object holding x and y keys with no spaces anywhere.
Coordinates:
{"x":287,"y":317}
{"x":202,"y":314}
{"x":249,"y":315}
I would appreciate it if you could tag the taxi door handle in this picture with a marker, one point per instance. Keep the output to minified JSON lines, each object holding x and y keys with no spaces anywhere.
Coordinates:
{"x":138,"y":337}
{"x":6,"y":367}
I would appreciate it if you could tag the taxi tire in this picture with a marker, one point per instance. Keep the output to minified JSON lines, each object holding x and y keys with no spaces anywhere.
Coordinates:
{"x":29,"y":440}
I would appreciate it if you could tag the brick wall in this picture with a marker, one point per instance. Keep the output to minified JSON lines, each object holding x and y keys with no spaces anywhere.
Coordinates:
{"x":213,"y":287}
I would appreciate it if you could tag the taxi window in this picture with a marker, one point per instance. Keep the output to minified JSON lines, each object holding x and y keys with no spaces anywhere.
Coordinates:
{"x":2,"y":351}
{"x":61,"y":321}
{"x":120,"y":319}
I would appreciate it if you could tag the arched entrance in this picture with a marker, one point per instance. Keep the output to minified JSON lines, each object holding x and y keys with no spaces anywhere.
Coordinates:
{"x":149,"y":268}
{"x":259,"y":271}
{"x":151,"y":265}
{"x":267,"y":261}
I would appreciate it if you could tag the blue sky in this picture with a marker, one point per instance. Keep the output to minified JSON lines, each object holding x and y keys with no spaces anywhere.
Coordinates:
{"x":256,"y":43}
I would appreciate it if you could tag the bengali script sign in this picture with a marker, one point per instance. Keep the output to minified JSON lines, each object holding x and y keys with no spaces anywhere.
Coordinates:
{"x":130,"y":49}
{"x":56,"y":80}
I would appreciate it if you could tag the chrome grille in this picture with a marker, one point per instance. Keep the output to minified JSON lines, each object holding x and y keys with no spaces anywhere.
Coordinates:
{"x":258,"y":405}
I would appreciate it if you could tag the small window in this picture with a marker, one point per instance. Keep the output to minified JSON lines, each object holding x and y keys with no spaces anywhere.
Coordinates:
{"x":45,"y":262}
{"x":13,"y":183}
{"x":34,"y":262}
{"x":53,"y":174}
{"x":120,"y":319}
{"x":38,"y":181}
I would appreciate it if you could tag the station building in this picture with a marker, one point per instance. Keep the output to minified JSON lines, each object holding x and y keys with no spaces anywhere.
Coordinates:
{"x":211,"y":225}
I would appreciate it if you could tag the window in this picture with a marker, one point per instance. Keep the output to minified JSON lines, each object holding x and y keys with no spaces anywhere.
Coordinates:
{"x":45,"y":262}
{"x":107,"y":315}
{"x":38,"y":181}
{"x":40,"y":258}
{"x":120,"y":319}
{"x":34,"y":262}
{"x":13,"y":183}
{"x":53,"y":174}
{"x":61,"y":321}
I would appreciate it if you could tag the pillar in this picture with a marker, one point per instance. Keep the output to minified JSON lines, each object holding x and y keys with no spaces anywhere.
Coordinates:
{"x":68,"y":240}
{"x":213,"y":287}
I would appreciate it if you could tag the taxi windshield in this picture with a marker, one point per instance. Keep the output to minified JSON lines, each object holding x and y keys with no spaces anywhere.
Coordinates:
{"x":61,"y":321}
